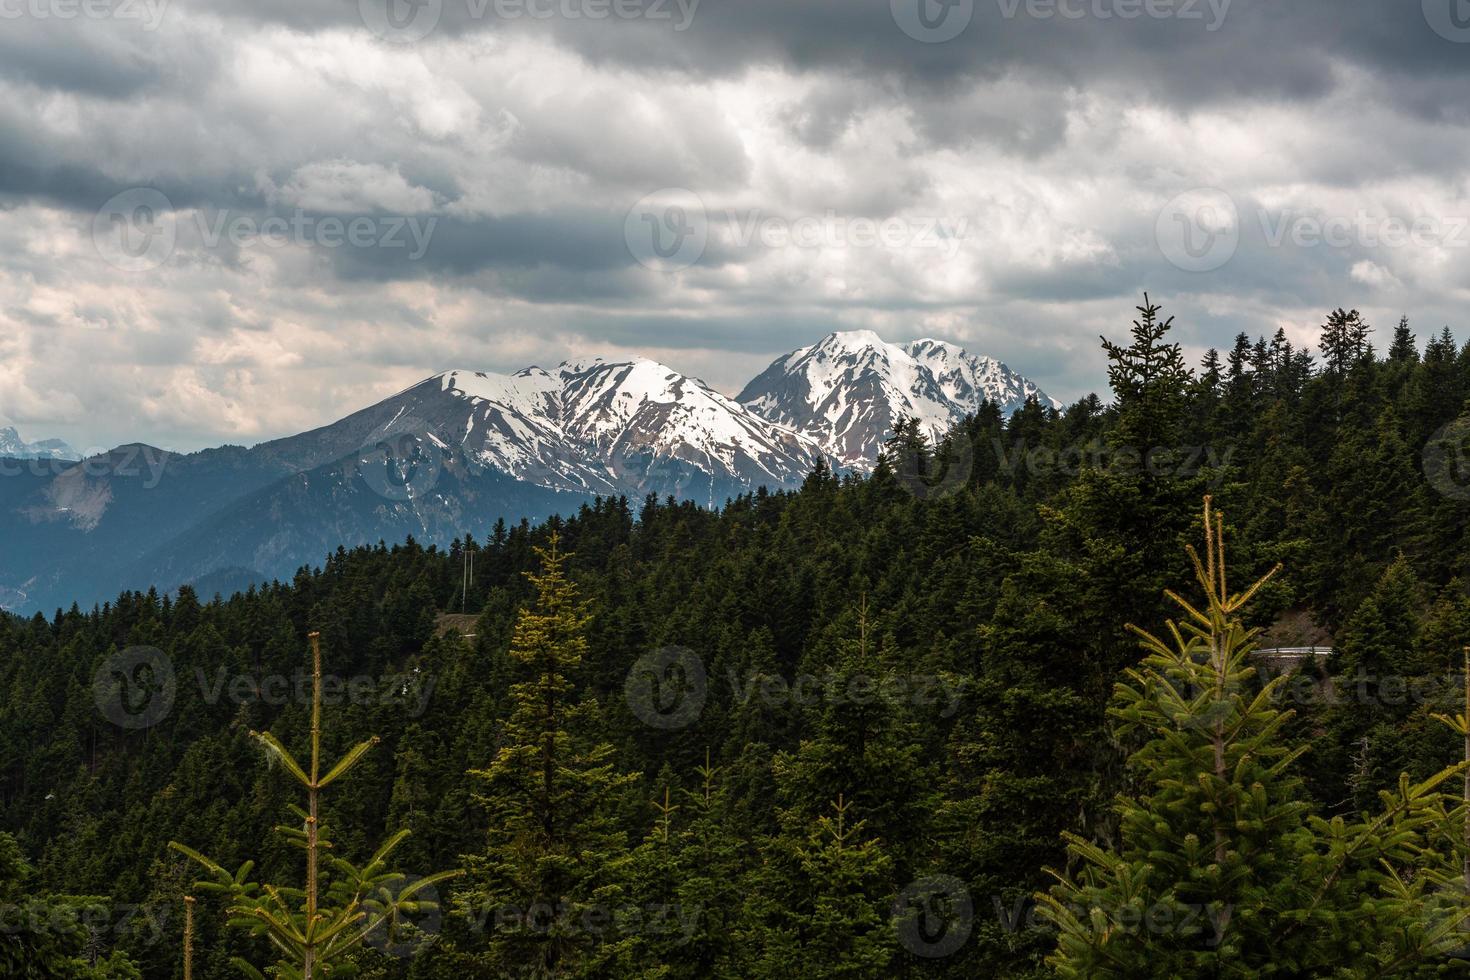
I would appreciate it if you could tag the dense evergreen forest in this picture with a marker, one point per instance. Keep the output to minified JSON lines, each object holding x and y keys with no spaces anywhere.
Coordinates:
{"x":839,"y":732}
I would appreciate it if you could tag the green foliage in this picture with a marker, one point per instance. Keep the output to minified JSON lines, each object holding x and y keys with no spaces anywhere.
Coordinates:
{"x":44,"y":937}
{"x":1222,"y":868}
{"x":815,"y":907}
{"x":316,"y":931}
{"x":552,"y":795}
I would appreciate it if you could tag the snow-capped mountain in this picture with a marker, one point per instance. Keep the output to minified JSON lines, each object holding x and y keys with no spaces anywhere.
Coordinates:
{"x":603,"y":427}
{"x":847,"y":390}
{"x":12,"y":446}
{"x":460,"y":450}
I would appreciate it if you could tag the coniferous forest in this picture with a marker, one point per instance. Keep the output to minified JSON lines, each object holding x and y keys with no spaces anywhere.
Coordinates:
{"x":996,"y":710}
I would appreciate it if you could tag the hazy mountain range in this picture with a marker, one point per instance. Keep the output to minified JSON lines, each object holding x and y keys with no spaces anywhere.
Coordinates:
{"x":12,"y":446}
{"x":457,"y":451}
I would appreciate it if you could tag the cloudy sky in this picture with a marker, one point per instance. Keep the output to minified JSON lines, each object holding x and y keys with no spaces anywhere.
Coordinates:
{"x":225,"y":221}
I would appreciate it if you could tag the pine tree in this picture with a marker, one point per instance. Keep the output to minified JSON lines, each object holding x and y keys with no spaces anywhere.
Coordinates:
{"x":861,"y":743}
{"x":1344,"y":340}
{"x":1221,"y":869}
{"x":1404,"y":349}
{"x":317,"y":929}
{"x":1149,"y":379}
{"x":819,"y":906}
{"x":709,"y":891}
{"x":550,"y":871}
{"x":1370,"y":726}
{"x":42,"y":937}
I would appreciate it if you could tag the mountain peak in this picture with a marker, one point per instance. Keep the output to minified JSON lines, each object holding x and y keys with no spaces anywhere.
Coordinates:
{"x":12,"y":446}
{"x":607,"y":426}
{"x":853,"y":340}
{"x":850,"y":388}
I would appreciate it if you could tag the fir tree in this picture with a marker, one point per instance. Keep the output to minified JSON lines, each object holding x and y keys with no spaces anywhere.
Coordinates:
{"x":1149,"y":378}
{"x":551,"y":865}
{"x":1404,"y":349}
{"x":1221,"y":869}
{"x":819,"y":906}
{"x":317,"y":929}
{"x":1344,"y":340}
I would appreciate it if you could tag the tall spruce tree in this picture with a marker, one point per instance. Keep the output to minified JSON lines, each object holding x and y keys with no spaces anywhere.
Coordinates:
{"x":1221,"y":869}
{"x":1344,"y":340}
{"x":550,"y":876}
{"x":1150,"y":380}
{"x":820,"y":904}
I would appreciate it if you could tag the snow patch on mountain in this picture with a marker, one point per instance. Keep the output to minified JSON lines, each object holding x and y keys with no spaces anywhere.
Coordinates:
{"x":626,"y":426}
{"x":847,"y":390}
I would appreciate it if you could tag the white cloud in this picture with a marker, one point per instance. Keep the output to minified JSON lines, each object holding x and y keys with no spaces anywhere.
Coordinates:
{"x":348,"y":186}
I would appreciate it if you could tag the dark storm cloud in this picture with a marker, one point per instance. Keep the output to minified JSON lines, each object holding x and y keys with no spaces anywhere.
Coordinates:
{"x":57,"y":62}
{"x":571,"y":240}
{"x":1203,"y":51}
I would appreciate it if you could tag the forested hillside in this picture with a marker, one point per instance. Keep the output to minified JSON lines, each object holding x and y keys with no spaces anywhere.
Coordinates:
{"x":776,"y":730}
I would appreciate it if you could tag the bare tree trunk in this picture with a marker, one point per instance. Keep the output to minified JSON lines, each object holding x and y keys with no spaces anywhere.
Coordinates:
{"x":309,"y":960}
{"x":188,"y":937}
